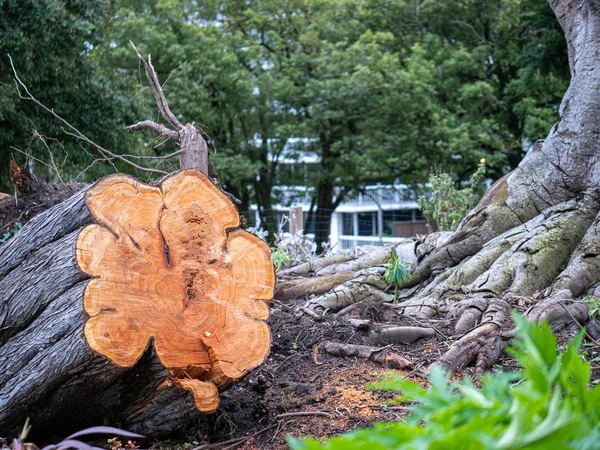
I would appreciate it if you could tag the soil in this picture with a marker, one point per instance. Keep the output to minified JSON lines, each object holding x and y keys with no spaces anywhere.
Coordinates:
{"x":27,"y":206}
{"x":252,"y":412}
{"x":331,"y":393}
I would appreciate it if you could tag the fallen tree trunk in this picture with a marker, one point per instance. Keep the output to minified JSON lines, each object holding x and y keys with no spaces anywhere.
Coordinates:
{"x":131,"y":305}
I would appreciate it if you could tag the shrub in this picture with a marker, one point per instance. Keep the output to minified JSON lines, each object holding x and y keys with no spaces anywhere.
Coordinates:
{"x":447,"y":205}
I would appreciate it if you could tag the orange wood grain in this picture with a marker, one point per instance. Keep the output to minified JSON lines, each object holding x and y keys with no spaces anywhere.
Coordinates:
{"x":171,"y":264}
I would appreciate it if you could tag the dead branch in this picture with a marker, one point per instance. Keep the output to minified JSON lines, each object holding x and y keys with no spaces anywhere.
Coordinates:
{"x":75,"y":132}
{"x":194,"y":153}
{"x":159,"y":95}
{"x":303,"y":413}
{"x":382,"y":355}
{"x":159,"y":128}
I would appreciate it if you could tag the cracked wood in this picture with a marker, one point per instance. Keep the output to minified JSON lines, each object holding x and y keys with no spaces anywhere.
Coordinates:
{"x":171,"y":265}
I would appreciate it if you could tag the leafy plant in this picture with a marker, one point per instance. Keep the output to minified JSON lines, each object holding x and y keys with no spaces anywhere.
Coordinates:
{"x":546,"y":405}
{"x":447,"y":205}
{"x":281,"y":258}
{"x":593,"y":303}
{"x":285,"y":400}
{"x":6,"y":236}
{"x":396,"y":273}
{"x":116,"y":444}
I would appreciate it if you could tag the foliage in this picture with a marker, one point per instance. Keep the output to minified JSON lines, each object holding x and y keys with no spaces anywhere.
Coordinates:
{"x":281,"y":258}
{"x":116,"y":444}
{"x":396,"y":273}
{"x":373,"y":98}
{"x":370,"y":96}
{"x":51,"y":44}
{"x":546,"y":405}
{"x":447,"y":206}
{"x":6,"y":236}
{"x":593,"y":303}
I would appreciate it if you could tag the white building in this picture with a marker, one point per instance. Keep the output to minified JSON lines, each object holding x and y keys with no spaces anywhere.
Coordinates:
{"x":382,"y":213}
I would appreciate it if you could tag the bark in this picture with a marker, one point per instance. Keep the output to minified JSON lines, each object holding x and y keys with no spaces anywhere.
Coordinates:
{"x":398,"y":335}
{"x":194,"y":150}
{"x":314,"y":265}
{"x":61,"y":372}
{"x":263,"y":191}
{"x":379,"y":255}
{"x":367,"y":283}
{"x":311,"y":286}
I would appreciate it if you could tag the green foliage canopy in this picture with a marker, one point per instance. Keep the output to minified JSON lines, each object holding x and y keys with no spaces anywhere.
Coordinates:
{"x":51,"y":44}
{"x":379,"y":90}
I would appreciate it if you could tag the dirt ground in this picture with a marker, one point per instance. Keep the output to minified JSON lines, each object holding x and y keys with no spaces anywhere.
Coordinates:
{"x":331,"y":390}
{"x":297,"y":391}
{"x":261,"y":410}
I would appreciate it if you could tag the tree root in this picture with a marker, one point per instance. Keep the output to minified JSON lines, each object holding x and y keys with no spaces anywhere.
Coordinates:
{"x":542,"y":264}
{"x":310,"y":286}
{"x":559,"y":310}
{"x":398,"y":335}
{"x":482,"y":344}
{"x":360,"y":324}
{"x":314,"y":266}
{"x":374,"y":258}
{"x":380,"y":355}
{"x":367,"y":283}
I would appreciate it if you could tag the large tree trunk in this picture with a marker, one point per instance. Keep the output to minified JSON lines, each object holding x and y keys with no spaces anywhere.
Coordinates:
{"x":533,"y":240}
{"x":87,"y":284}
{"x":129,"y":303}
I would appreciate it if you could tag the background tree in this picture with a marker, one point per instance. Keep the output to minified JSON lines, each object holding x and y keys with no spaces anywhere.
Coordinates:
{"x":379,"y":90}
{"x":531,"y":242}
{"x":51,"y":44}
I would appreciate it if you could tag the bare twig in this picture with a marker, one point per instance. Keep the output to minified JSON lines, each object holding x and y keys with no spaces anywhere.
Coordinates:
{"x":235,"y":440}
{"x":281,"y":426}
{"x":303,"y":413}
{"x":75,"y":132}
{"x":81,"y":136}
{"x":173,"y":72}
{"x":170,"y":155}
{"x":161,"y":101}
{"x":312,"y":314}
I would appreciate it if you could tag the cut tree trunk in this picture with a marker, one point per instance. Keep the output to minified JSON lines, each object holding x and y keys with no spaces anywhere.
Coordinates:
{"x":130,"y":304}
{"x":532,"y":242}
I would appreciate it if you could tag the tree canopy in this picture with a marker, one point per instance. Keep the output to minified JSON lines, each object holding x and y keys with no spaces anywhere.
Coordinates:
{"x":379,"y":90}
{"x":52,"y":46}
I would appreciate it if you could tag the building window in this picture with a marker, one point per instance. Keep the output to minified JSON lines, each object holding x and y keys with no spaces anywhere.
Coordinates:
{"x":347,"y":224}
{"x":367,"y":224}
{"x":403,"y":215}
